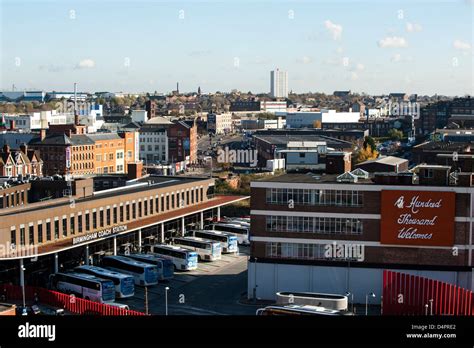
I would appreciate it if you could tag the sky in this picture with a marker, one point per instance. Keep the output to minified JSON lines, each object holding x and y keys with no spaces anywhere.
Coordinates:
{"x":371,"y":46}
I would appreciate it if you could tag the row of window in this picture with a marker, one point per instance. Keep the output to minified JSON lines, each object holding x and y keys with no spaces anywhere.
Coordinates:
{"x":12,"y":199}
{"x":307,"y":224}
{"x":296,"y":251}
{"x":346,"y":198}
{"x":90,"y":221}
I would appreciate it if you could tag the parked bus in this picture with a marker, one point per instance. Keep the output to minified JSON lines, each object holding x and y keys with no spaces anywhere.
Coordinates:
{"x":300,"y":310}
{"x":85,"y":286}
{"x":228,"y":241}
{"x":143,"y":273}
{"x":241,"y":232}
{"x":236,"y":221}
{"x":183,"y":259}
{"x":206,"y":249}
{"x":124,"y":283}
{"x":165,"y":266}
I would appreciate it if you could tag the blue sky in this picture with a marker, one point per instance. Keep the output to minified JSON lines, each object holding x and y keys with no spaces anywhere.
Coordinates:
{"x":368,"y":46}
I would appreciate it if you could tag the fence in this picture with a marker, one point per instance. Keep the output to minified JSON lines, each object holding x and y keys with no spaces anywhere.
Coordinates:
{"x":69,"y":303}
{"x":406,"y":294}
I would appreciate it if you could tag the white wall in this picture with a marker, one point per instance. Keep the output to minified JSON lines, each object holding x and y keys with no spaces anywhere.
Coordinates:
{"x":272,"y":278}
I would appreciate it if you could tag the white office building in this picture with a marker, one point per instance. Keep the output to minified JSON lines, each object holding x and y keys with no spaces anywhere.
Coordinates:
{"x":219,"y":123}
{"x":308,"y":119}
{"x":279,"y":84}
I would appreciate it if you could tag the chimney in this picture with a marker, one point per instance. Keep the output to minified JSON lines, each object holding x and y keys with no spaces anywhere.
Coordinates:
{"x":6,"y":148}
{"x":24,"y":148}
{"x":12,"y":125}
{"x":42,"y":134}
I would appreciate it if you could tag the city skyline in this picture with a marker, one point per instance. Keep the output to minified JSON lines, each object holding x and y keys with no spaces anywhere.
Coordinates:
{"x":150,"y":45}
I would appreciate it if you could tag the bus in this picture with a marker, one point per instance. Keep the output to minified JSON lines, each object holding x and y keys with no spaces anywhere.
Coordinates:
{"x":124,"y":283}
{"x":165,"y":266}
{"x":228,"y":241}
{"x":183,"y":259}
{"x":206,"y":249}
{"x":143,"y":273}
{"x":300,"y":310}
{"x":241,"y":232}
{"x":236,"y":221}
{"x":85,"y":286}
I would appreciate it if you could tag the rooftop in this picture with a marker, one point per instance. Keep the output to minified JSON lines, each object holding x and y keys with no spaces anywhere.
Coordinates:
{"x":390,"y":160}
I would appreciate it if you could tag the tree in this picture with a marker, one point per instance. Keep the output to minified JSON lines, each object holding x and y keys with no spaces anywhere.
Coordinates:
{"x":365,"y":154}
{"x":369,"y":141}
{"x":395,"y":134}
{"x":317,"y":124}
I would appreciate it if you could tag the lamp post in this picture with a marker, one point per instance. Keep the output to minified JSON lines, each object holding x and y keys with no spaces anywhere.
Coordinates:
{"x":23,"y":269}
{"x":352,"y":300}
{"x":166,"y":300}
{"x":367,"y":302}
{"x":255,"y":281}
{"x":431,"y":306}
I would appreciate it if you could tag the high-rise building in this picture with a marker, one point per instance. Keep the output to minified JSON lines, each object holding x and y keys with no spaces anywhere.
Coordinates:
{"x":279,"y":84}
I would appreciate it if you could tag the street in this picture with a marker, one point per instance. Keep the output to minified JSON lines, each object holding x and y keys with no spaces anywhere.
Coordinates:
{"x":215,"y":288}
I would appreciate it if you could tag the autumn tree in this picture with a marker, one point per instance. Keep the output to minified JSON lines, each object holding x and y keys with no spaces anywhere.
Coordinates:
{"x":366,"y":154}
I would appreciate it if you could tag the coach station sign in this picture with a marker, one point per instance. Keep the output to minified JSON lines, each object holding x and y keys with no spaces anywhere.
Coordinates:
{"x":99,"y":234}
{"x":417,"y":218}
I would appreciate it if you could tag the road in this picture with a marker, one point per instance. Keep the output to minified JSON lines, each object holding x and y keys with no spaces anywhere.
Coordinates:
{"x":214,"y":289}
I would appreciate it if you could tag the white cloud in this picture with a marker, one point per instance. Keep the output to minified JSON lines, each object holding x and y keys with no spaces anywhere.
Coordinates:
{"x":334,"y":29}
{"x":461,"y":45}
{"x":354,"y":76}
{"x":392,"y":41}
{"x":304,"y":60}
{"x":85,"y":64}
{"x":413,"y":27}
{"x":396,"y":57}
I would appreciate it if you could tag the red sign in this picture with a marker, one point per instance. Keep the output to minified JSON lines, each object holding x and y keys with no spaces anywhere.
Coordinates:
{"x":417,"y":218}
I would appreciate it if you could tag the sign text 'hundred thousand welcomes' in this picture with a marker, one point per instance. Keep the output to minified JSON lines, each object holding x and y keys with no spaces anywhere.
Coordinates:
{"x":417,"y":218}
{"x":99,"y":234}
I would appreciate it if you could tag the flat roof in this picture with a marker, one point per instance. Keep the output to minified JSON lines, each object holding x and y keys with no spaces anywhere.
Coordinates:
{"x":132,"y":226}
{"x":148,"y":183}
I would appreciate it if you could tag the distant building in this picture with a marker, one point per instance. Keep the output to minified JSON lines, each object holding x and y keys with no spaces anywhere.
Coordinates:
{"x":244,"y":105}
{"x":139,"y":116}
{"x":273,"y":106}
{"x":342,"y":94}
{"x":182,"y":141}
{"x":22,"y":161}
{"x":219,"y":123}
{"x":309,"y":119}
{"x":279,"y":84}
{"x":384,"y":164}
{"x":14,"y":96}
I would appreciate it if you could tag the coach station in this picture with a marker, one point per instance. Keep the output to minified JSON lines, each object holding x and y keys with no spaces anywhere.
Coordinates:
{"x":52,"y":224}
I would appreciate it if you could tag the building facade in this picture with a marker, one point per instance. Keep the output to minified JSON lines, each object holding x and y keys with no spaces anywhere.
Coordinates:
{"x":331,"y":235}
{"x":279,"y":84}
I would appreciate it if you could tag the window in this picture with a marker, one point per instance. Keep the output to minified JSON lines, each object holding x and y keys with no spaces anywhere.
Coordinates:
{"x":64,"y":227}
{"x":101,"y":218}
{"x":88,"y":222}
{"x":128,"y":212}
{"x":48,"y":230}
{"x":56,"y":229}
{"x":134,"y":211}
{"x":167,"y":202}
{"x":428,"y":173}
{"x":121,"y":213}
{"x":79,"y":223}
{"x":115,"y":215}
{"x":347,"y":198}
{"x":111,"y":156}
{"x":145,"y":207}
{"x":72,"y":225}
{"x":162,"y":203}
{"x":322,"y":225}
{"x":31,"y":234}
{"x":94,"y":220}
{"x":172,"y":201}
{"x":13,"y":236}
{"x":108,"y":216}
{"x":40,"y":233}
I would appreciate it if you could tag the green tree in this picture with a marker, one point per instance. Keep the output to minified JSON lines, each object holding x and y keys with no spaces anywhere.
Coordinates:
{"x":395,"y":134}
{"x":369,"y":141}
